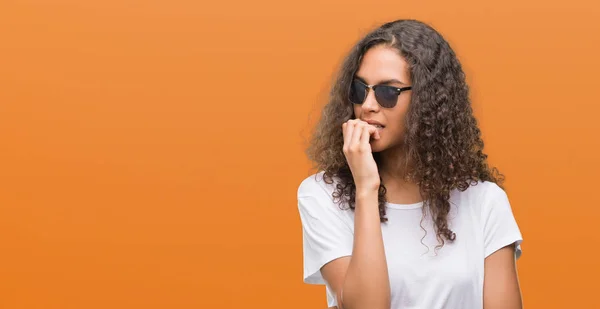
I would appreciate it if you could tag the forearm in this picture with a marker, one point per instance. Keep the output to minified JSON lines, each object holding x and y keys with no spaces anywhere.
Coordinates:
{"x":367,"y":283}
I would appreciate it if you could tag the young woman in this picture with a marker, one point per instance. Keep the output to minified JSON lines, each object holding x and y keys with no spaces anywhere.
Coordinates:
{"x":405,"y":212}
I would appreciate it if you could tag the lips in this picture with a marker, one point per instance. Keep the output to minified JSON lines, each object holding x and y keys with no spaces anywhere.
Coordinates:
{"x":375,"y":124}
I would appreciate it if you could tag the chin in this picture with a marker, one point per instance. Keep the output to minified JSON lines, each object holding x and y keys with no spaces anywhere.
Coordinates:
{"x":383,"y":145}
{"x":377,"y":146}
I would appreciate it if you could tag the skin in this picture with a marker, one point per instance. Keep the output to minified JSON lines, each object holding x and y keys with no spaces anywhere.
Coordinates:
{"x":361,"y":281}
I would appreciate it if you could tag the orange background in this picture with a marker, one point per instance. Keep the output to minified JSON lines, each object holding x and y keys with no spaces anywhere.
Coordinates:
{"x":150,"y":151}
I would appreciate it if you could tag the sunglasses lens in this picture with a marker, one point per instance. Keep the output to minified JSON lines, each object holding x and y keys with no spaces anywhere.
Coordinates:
{"x":386,"y":96}
{"x":357,"y":92}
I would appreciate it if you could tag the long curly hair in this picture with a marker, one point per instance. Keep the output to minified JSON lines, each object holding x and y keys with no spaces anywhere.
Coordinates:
{"x":442,"y":147}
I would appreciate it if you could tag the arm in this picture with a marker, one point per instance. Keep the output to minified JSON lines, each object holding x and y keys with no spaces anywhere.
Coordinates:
{"x":361,"y":281}
{"x":501,"y":284}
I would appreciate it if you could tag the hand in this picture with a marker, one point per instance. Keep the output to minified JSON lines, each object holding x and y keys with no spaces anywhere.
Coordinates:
{"x":359,"y":155}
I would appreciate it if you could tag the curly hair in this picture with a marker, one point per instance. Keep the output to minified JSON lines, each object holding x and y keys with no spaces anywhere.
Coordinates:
{"x":442,"y":146}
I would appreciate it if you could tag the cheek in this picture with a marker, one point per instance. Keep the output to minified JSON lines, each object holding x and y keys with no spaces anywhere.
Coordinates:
{"x":397,"y":131}
{"x":396,"y":122}
{"x":357,"y":110}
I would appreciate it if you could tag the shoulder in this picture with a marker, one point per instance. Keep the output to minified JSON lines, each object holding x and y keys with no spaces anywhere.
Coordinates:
{"x":315,"y":195}
{"x":479,"y":195}
{"x":314,"y":185}
{"x":491,"y":210}
{"x":484,"y":189}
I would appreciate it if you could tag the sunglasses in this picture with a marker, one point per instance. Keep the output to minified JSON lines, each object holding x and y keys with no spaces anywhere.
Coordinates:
{"x":386,"y":96}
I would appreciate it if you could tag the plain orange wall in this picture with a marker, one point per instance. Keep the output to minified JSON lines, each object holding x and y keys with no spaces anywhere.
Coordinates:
{"x":150,"y":151}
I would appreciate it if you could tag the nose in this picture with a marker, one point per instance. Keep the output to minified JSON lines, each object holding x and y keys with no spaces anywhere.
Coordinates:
{"x":370,"y":104}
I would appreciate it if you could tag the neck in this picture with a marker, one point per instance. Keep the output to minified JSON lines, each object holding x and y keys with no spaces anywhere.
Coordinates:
{"x":393,"y":170}
{"x":393,"y":164}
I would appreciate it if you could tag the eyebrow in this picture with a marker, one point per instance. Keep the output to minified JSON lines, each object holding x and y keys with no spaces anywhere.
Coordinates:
{"x":384,"y":82}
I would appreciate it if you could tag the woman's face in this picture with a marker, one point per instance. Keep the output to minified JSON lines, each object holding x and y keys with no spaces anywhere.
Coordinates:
{"x":382,"y":65}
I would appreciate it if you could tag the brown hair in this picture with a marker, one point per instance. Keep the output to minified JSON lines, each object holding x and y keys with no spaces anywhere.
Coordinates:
{"x":442,"y":140}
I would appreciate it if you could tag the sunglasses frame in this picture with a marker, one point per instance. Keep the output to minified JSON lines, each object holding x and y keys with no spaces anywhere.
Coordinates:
{"x":373,"y":88}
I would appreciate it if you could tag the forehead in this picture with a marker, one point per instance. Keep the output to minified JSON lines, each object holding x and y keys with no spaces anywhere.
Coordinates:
{"x":382,"y":63}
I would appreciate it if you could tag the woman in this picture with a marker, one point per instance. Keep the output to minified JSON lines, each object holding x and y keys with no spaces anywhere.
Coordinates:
{"x":405,"y":212}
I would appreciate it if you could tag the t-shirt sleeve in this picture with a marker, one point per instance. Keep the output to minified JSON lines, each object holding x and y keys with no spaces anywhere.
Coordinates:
{"x":500,"y":226}
{"x":326,"y":235}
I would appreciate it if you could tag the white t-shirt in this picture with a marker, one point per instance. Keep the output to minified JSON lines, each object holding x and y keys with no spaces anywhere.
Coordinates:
{"x":481,"y":217}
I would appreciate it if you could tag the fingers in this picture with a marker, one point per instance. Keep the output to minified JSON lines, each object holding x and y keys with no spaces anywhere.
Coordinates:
{"x":376,"y":134}
{"x":357,"y":133}
{"x":348,"y":130}
{"x":367,"y":132}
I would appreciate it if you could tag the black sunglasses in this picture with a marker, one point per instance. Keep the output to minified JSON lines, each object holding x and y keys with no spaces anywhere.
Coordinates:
{"x":386,"y":96}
